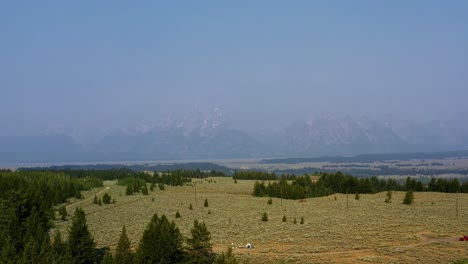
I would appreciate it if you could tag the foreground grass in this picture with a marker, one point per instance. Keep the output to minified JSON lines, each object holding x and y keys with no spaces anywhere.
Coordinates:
{"x":370,"y":230}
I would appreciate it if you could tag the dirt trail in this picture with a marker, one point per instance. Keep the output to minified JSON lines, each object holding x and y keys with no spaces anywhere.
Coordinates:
{"x":87,"y":199}
{"x":426,"y":238}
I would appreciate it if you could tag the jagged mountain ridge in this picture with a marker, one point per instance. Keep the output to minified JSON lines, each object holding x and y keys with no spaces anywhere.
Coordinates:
{"x":209,"y":135}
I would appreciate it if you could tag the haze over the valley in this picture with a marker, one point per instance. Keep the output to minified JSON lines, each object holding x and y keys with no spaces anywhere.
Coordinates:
{"x":88,"y":81}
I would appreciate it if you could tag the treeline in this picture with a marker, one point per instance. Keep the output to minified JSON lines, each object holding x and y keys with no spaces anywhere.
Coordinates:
{"x":254,"y":175}
{"x":137,"y":183}
{"x":368,"y":171}
{"x":303,"y":187}
{"x":26,"y":213}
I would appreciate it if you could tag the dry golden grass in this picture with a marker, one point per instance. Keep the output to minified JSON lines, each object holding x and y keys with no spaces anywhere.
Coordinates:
{"x":370,"y":231}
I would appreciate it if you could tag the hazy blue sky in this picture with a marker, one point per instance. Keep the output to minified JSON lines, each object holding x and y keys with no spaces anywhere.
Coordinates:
{"x":97,"y":65}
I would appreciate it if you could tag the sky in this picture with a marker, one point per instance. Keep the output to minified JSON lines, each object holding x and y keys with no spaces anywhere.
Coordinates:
{"x":100,"y":65}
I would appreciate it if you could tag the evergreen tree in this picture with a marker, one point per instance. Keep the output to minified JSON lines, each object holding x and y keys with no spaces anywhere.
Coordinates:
{"x":161,"y":242}
{"x":265,"y":217}
{"x":63,"y":213}
{"x":302,"y":220}
{"x":409,"y":197}
{"x":284,"y":219}
{"x":226,"y":258}
{"x":270,"y":201}
{"x":206,"y":202}
{"x":81,"y":244}
{"x":100,"y":202}
{"x":106,"y":198}
{"x":177,"y":215}
{"x":356,"y":197}
{"x":95,"y":201}
{"x":199,"y":245}
{"x":190,"y":207}
{"x":8,"y":252}
{"x":108,"y":259}
{"x":123,"y":253}
{"x":144,"y":190}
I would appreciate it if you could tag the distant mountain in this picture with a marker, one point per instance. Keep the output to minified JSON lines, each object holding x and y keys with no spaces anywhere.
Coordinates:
{"x":208,"y":135}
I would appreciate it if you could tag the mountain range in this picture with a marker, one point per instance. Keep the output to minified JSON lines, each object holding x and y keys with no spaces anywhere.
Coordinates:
{"x":209,"y":135}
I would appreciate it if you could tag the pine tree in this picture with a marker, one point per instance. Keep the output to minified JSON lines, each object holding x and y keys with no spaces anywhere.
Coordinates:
{"x":81,"y":244}
{"x":270,"y":201}
{"x":106,"y":198}
{"x":177,"y":215}
{"x":144,"y":190}
{"x":8,"y":252}
{"x":302,"y":220}
{"x":226,"y":258}
{"x":123,"y":253}
{"x":284,"y":219}
{"x":409,"y":197}
{"x":63,"y":213}
{"x":108,"y":259}
{"x":199,"y":245}
{"x":206,"y":202}
{"x":265,"y":217}
{"x":161,"y":242}
{"x":190,"y":207}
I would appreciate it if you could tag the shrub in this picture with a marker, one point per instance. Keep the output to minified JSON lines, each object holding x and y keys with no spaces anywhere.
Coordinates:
{"x":302,"y":220}
{"x":265,"y":217}
{"x":177,"y":214}
{"x":409,"y":197}
{"x":284,"y":218}
{"x":206,"y":202}
{"x":389,"y":197}
{"x":294,"y":221}
{"x":190,"y":207}
{"x":356,"y":197}
{"x":270,"y":201}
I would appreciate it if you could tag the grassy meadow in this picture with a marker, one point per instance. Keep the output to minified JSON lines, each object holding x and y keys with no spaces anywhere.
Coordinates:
{"x":335,"y":229}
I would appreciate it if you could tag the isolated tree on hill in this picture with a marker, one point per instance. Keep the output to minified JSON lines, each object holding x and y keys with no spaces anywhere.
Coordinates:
{"x":199,"y":245}
{"x":161,"y":242}
{"x":81,"y":244}
{"x":409,"y":197}
{"x":123,"y":253}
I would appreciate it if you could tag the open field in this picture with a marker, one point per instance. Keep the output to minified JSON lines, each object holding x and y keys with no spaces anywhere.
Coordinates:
{"x":370,"y":231}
